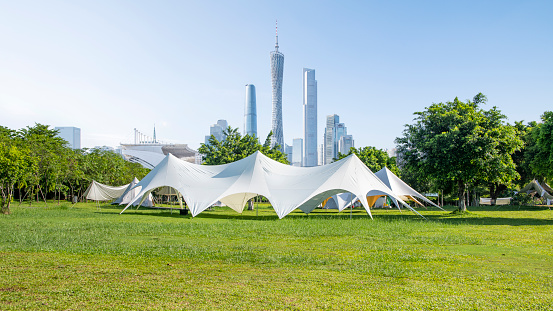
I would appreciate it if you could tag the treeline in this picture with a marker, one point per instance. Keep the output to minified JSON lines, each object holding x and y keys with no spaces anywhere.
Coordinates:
{"x":36,"y":164}
{"x":465,"y":151}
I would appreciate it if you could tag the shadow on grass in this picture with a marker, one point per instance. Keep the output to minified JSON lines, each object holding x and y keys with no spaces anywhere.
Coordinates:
{"x":267,"y":214}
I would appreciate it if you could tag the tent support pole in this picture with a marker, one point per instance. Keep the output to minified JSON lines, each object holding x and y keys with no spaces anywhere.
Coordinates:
{"x":350,"y":206}
{"x":256,"y":207}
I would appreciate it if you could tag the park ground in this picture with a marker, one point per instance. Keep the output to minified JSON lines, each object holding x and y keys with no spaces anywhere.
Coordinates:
{"x":86,"y":257}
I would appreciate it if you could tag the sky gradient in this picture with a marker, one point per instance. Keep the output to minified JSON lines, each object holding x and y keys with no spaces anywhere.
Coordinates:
{"x":108,"y":67}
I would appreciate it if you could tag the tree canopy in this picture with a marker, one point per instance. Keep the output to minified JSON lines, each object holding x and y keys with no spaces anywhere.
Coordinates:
{"x":36,"y":161}
{"x":541,"y":159}
{"x":458,"y":143}
{"x":235,"y":147}
{"x":374,"y":159}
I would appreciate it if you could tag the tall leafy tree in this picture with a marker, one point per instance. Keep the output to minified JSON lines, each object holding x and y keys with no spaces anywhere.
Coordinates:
{"x":235,"y":147}
{"x":47,"y":147}
{"x":458,"y":143}
{"x":374,"y":159}
{"x":542,"y":161}
{"x":16,"y":164}
{"x":524,"y":156}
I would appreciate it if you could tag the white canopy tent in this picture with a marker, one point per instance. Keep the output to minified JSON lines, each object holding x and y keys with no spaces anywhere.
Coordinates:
{"x":100,"y":192}
{"x":534,"y":185}
{"x":340,"y":201}
{"x":130,"y":193}
{"x":400,"y":188}
{"x":286,"y":187}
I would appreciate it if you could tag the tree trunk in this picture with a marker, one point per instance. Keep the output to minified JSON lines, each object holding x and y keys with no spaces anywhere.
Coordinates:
{"x":461,"y":189}
{"x":43,"y":196}
{"x":250,"y":205}
{"x":7,"y":198}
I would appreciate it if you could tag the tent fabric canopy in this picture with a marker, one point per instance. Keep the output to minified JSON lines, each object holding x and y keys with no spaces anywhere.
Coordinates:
{"x":130,"y":193}
{"x":340,"y":201}
{"x":286,"y":187}
{"x":534,"y":185}
{"x":100,"y":192}
{"x":400,"y":188}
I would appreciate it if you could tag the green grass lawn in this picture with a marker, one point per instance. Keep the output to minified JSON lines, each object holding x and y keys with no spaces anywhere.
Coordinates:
{"x":85,"y":258}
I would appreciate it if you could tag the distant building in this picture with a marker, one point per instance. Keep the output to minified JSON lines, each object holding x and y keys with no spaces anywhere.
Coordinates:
{"x":277,"y":69}
{"x":321,"y":154}
{"x":329,"y":140}
{"x":217,"y":130}
{"x":297,"y":154}
{"x":334,"y":132}
{"x":309,"y":117}
{"x":105,"y":148}
{"x":70,"y":134}
{"x":289,"y":151}
{"x":345,"y":143}
{"x":148,"y":151}
{"x":391,"y":152}
{"x":250,"y":112}
{"x":198,"y":159}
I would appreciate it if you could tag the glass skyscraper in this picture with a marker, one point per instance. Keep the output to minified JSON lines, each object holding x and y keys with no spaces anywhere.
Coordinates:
{"x":297,"y":152}
{"x":217,"y":130}
{"x":329,"y":134}
{"x":309,"y":117}
{"x":277,"y":67}
{"x":333,"y":135}
{"x":250,"y":112}
{"x":70,"y":134}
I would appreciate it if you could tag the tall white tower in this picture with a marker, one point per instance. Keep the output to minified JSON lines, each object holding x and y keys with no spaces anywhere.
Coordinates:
{"x":277,"y":67}
{"x":250,"y":112}
{"x":309,"y":118}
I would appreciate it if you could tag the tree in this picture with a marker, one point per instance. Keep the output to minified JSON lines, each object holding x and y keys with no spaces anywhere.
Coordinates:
{"x":374,"y":159}
{"x":523,"y":157}
{"x":542,"y":161}
{"x":15,"y":165}
{"x":458,"y":143}
{"x":235,"y":147}
{"x":47,"y":147}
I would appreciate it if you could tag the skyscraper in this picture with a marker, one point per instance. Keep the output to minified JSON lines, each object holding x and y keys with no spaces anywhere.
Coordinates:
{"x":309,"y":117}
{"x":297,"y":152}
{"x":70,"y":134}
{"x":217,"y":130}
{"x":289,"y":151}
{"x":329,"y":134}
{"x":277,"y":67}
{"x":250,"y":112}
{"x":333,"y":135}
{"x":345,"y":143}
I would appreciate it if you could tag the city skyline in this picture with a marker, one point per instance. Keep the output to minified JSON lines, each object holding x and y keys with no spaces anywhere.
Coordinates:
{"x":107,"y":68}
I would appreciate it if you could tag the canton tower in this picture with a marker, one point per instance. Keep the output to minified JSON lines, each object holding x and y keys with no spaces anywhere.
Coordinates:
{"x":277,"y":66}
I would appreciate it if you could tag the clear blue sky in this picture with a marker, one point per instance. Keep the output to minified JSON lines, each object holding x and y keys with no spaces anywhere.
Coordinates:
{"x":111,"y":66}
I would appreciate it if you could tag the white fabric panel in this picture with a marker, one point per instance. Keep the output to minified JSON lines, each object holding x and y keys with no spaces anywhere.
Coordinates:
{"x":399,"y":187}
{"x":237,"y":201}
{"x":132,"y":192}
{"x":286,"y":187}
{"x":100,"y":192}
{"x":147,"y":158}
{"x":341,"y":201}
